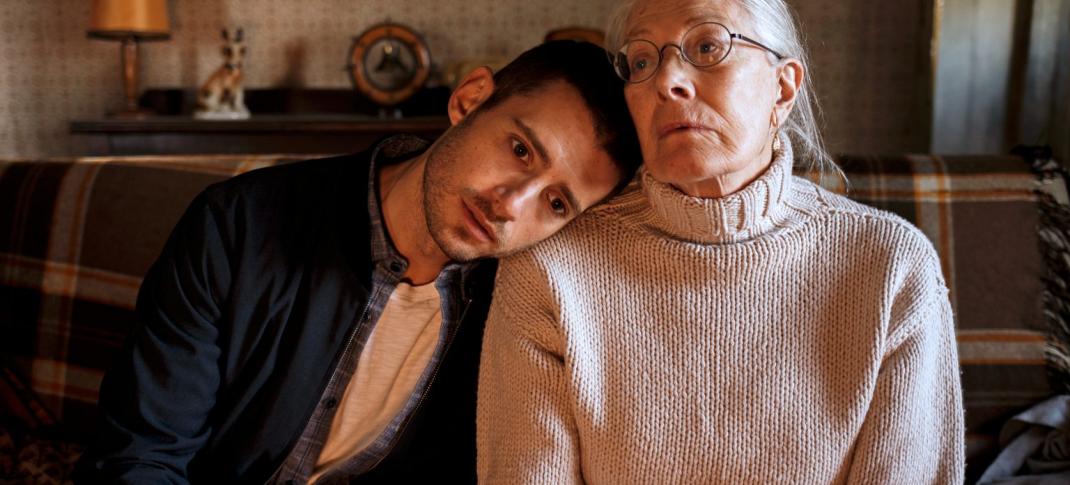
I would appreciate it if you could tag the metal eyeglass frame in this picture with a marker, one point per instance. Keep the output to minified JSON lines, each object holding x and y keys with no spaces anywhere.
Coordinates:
{"x":621,"y":57}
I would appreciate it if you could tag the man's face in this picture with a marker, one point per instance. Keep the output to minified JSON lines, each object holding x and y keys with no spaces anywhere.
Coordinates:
{"x":509,"y":177}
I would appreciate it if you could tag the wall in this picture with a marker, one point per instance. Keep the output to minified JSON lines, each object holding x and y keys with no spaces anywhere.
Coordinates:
{"x":50,"y":73}
{"x":873,"y":75}
{"x":976,"y":37}
{"x":1041,"y":107}
{"x":870,"y":60}
{"x":1001,"y":76}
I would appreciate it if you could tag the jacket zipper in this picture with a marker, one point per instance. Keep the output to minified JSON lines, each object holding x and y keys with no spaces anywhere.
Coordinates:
{"x":427,"y":386}
{"x":334,"y":376}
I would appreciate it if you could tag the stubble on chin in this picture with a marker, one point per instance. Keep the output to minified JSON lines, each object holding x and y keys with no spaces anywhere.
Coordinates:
{"x":439,"y":177}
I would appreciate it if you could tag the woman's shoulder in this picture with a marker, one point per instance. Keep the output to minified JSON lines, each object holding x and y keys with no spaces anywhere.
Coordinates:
{"x":875,"y":227}
{"x":589,"y":228}
{"x":584,"y":239}
{"x":841,"y":208}
{"x":627,"y":203}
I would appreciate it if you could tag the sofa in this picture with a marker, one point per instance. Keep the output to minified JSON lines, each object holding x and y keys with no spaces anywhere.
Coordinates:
{"x":77,"y":234}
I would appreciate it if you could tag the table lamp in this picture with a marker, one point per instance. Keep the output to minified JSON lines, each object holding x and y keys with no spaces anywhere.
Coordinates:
{"x":130,"y":21}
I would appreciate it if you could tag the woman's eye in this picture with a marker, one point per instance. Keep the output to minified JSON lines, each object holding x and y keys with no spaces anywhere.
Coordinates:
{"x":558,"y":206}
{"x":520,"y":150}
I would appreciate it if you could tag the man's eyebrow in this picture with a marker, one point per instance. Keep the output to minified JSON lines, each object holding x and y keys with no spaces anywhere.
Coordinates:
{"x":572,"y":202}
{"x":536,"y":143}
{"x":541,"y":150}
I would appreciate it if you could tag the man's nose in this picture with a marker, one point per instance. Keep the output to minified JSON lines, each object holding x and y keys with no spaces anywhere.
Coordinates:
{"x":511,"y":199}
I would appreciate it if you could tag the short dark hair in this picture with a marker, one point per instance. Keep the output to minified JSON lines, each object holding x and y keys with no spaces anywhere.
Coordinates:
{"x":586,"y":67}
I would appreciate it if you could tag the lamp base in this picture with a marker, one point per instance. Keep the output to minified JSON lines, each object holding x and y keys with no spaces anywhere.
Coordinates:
{"x":130,"y":66}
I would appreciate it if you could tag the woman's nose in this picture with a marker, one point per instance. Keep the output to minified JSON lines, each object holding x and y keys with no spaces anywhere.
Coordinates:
{"x":673,"y":79}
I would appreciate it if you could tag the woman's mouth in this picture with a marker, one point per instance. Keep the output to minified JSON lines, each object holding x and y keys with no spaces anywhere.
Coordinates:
{"x":679,"y":127}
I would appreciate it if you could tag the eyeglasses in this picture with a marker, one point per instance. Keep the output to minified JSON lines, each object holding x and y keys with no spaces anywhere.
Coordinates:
{"x":704,"y":45}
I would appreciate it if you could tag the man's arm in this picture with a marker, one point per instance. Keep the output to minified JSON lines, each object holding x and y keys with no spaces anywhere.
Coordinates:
{"x":156,"y":398}
{"x":525,"y":430}
{"x":914,"y":430}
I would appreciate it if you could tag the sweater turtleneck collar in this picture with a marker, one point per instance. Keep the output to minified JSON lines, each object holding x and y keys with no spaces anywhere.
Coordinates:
{"x":748,"y":213}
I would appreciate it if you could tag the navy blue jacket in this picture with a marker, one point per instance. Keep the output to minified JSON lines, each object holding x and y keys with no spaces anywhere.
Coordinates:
{"x":242,"y":321}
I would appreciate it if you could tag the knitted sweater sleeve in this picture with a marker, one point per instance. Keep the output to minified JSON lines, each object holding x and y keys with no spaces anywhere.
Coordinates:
{"x":914,"y":429}
{"x":525,"y":429}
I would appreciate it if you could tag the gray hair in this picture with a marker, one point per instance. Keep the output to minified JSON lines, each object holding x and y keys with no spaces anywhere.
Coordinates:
{"x":776,"y":27}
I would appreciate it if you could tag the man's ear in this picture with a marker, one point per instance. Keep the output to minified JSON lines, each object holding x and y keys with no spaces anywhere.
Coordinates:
{"x":471,"y":92}
{"x":790,"y":73}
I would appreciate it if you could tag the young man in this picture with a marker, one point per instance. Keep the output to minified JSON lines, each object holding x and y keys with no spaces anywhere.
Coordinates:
{"x":322,"y":321}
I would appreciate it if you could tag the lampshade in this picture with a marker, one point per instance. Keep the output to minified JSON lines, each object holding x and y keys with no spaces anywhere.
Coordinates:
{"x":143,"y":19}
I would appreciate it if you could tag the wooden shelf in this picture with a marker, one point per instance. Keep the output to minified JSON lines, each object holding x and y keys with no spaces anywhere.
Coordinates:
{"x":277,"y":133}
{"x":259,"y":124}
{"x":284,"y":120}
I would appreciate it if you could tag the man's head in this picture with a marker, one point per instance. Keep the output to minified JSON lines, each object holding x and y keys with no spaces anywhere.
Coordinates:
{"x":531,"y":148}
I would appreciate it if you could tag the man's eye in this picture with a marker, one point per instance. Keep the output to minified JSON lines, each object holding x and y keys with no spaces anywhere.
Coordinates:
{"x":520,"y":150}
{"x":558,"y":206}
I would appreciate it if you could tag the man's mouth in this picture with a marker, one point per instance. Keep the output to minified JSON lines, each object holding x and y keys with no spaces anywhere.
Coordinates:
{"x":477,"y":223}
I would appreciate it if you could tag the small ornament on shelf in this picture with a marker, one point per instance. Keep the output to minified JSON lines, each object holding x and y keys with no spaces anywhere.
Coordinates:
{"x":222,"y":96}
{"x":389,"y":63}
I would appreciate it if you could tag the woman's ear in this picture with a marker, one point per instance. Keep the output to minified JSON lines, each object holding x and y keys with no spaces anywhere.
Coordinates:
{"x":790,"y":74}
{"x":471,"y":92}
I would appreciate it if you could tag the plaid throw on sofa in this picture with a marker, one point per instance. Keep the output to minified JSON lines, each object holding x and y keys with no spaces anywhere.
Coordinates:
{"x":76,"y":237}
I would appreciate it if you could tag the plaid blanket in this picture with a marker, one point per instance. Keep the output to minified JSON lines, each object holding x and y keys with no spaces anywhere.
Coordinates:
{"x":76,"y":236}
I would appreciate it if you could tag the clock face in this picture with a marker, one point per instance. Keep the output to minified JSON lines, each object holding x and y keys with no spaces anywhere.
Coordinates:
{"x":389,"y":63}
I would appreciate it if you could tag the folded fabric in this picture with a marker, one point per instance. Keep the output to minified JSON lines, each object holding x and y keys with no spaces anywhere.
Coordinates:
{"x":1036,"y":447}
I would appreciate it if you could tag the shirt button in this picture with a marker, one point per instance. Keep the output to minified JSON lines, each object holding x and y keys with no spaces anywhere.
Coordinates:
{"x":330,"y":403}
{"x":396,"y":267}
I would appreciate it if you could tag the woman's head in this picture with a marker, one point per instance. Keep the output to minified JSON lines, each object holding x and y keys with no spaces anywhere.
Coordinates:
{"x":709,"y":130}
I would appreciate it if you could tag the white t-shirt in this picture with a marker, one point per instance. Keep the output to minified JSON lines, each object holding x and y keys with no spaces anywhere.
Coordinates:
{"x":397,"y":353}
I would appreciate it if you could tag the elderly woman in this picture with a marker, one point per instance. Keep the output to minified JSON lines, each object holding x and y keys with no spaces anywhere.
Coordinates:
{"x":721,"y":321}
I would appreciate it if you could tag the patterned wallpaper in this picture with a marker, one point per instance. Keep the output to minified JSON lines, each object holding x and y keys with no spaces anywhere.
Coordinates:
{"x":868,"y":56}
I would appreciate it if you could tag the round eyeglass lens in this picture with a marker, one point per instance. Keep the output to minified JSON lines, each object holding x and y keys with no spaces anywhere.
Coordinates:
{"x":638,"y":60}
{"x":707,"y":44}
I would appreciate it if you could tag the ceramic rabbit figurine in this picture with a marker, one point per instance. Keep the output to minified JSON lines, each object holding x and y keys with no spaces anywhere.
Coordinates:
{"x":222,"y":95}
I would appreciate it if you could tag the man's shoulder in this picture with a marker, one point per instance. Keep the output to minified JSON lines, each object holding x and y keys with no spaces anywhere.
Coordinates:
{"x":303,"y":180}
{"x":289,"y":209}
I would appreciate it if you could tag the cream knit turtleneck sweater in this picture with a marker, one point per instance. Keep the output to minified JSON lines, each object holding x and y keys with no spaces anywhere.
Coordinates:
{"x":782,"y":334}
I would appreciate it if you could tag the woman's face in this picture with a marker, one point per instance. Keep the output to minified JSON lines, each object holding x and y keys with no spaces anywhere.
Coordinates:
{"x":707,"y":131}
